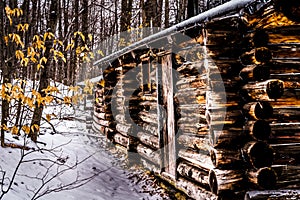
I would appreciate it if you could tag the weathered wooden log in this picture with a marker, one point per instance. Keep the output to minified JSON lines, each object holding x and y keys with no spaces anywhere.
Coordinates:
{"x":259,"y":130}
{"x":104,"y":116}
{"x":191,"y":110}
{"x":287,"y":176}
{"x":192,"y":121}
{"x":149,"y":117}
{"x":193,"y":190}
{"x":285,"y":133}
{"x":221,"y":99}
{"x":255,"y":73}
{"x":287,"y":153}
{"x":101,"y":122}
{"x":224,"y":181}
{"x":198,"y":158}
{"x":98,"y":128}
{"x":272,"y":194}
{"x":263,"y":178}
{"x":227,"y":85}
{"x":191,"y":69}
{"x":258,"y":154}
{"x":256,"y":56}
{"x":226,"y":159}
{"x":283,"y":53}
{"x":150,"y":154}
{"x":289,"y":9}
{"x":124,"y":129}
{"x":151,"y":129}
{"x":227,"y":137}
{"x":285,"y":112}
{"x":149,"y":140}
{"x":220,"y":117}
{"x":270,"y":89}
{"x":258,"y":110}
{"x":198,"y":142}
{"x":192,"y":82}
{"x":280,"y":67}
{"x":193,"y":173}
{"x":121,"y":140}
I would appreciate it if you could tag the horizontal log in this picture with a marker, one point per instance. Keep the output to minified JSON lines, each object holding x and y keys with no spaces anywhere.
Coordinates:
{"x":192,"y":82}
{"x":124,"y":129}
{"x":221,"y":117}
{"x":98,"y":128}
{"x":193,"y":190}
{"x":149,"y":128}
{"x":150,"y":154}
{"x":149,"y":140}
{"x":257,"y":55}
{"x":258,"y":154}
{"x":259,"y":130}
{"x":228,"y":138}
{"x":121,"y":140}
{"x":221,"y":99}
{"x":287,"y":153}
{"x":255,"y":73}
{"x":102,"y":122}
{"x":103,"y":116}
{"x":198,"y":142}
{"x":191,"y":69}
{"x":258,"y":110}
{"x":149,"y":117}
{"x":222,"y":181}
{"x":199,"y":159}
{"x":263,"y":178}
{"x":272,"y":194}
{"x":267,"y":90}
{"x":285,"y":133}
{"x":193,"y":173}
{"x":285,"y":112}
{"x":288,"y":176}
{"x":226,"y":159}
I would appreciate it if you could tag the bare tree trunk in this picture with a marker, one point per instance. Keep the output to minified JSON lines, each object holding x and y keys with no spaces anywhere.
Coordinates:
{"x":44,"y":78}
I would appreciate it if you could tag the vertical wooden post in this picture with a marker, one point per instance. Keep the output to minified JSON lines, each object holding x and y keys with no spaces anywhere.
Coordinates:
{"x":169,"y":131}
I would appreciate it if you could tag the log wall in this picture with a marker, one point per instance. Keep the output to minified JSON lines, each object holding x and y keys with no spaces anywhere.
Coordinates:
{"x":234,"y":115}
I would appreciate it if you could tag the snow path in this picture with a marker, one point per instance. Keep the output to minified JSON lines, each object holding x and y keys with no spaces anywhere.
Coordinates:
{"x":114,"y":183}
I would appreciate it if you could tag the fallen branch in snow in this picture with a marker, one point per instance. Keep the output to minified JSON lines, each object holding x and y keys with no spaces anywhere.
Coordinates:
{"x":52,"y":165}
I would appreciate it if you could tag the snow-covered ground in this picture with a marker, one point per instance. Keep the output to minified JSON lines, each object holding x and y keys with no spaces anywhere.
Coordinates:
{"x":75,"y":159}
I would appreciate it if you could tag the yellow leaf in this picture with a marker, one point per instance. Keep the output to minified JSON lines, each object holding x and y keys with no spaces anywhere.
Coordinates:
{"x":100,"y":52}
{"x":102,"y":83}
{"x":90,"y":37}
{"x":46,"y":36}
{"x":36,"y":38}
{"x":26,"y":129}
{"x":25,"y":62}
{"x":14,"y":130}
{"x":67,"y":100}
{"x":43,"y":59}
{"x":40,"y":66}
{"x":70,"y":46}
{"x":35,"y":127}
{"x":48,"y":117}
{"x":4,"y":127}
{"x":33,"y":59}
{"x":6,"y":39}
{"x":19,"y":54}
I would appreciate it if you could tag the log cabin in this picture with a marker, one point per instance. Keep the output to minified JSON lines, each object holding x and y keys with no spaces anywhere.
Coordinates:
{"x":211,"y":104}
